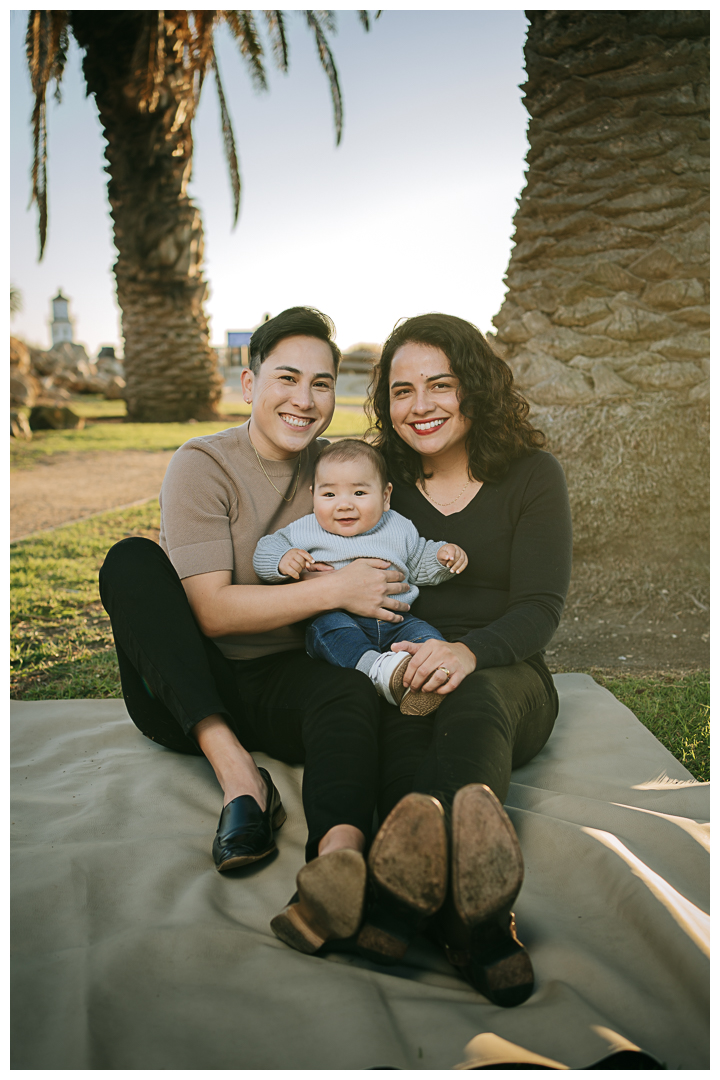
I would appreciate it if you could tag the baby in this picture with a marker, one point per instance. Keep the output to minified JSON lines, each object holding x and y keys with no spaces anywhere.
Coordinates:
{"x":352,"y":519}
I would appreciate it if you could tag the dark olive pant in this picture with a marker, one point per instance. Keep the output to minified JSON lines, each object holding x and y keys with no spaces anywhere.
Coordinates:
{"x":496,"y":720}
{"x":298,"y":710}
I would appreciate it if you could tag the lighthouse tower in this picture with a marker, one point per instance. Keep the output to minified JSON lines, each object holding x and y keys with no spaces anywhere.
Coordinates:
{"x":61,"y":326}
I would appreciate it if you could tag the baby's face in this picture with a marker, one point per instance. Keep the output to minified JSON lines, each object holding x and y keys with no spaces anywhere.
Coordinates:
{"x":348,"y":498}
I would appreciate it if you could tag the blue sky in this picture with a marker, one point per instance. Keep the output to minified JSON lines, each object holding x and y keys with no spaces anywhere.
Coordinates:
{"x":413,"y":212}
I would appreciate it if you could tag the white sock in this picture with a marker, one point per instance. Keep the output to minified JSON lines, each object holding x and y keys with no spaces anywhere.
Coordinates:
{"x":366,"y":661}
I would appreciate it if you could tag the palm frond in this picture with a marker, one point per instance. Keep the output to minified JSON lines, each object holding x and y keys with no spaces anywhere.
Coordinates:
{"x":16,"y":300}
{"x":365,"y":18}
{"x":316,"y":20}
{"x":278,"y":40}
{"x":326,"y":20}
{"x":228,"y":142}
{"x":201,"y":42}
{"x":243,"y":29}
{"x":200,"y":48}
{"x":46,"y":45}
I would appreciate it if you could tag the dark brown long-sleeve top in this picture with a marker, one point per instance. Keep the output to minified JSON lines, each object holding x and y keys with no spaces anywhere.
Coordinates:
{"x":517,"y":533}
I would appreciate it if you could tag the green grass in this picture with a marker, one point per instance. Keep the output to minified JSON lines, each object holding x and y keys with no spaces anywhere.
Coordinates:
{"x":61,"y":642}
{"x":93,"y":406}
{"x":675,"y":710}
{"x":104,"y":437}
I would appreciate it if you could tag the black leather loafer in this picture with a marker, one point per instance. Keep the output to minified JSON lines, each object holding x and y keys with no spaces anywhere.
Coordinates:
{"x":408,"y":877}
{"x":245,"y":832}
{"x":477,"y":926}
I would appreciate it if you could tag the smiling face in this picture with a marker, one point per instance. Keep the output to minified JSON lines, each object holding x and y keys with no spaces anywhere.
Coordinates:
{"x":425,"y":401}
{"x":348,"y":496}
{"x":293,"y":396}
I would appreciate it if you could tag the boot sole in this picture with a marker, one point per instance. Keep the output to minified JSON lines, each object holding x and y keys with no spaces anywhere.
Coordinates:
{"x":236,"y":861}
{"x":408,"y":865}
{"x":487,"y":863}
{"x":487,"y":873}
{"x":331,"y":897}
{"x":412,"y":702}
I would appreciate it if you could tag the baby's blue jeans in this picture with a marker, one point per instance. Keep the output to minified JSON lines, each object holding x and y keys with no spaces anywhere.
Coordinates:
{"x":353,"y":641}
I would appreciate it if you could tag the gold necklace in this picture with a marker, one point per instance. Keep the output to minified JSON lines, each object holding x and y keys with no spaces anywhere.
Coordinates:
{"x":297,"y":478}
{"x":436,"y":503}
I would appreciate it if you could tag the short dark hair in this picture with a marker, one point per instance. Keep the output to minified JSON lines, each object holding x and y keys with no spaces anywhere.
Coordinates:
{"x":351,"y":450}
{"x":500,"y":430}
{"x":304,"y":321}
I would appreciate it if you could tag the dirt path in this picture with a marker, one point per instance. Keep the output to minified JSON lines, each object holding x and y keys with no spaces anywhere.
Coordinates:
{"x":73,"y":486}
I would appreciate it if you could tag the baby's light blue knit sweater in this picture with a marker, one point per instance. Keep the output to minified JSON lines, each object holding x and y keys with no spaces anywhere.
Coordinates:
{"x":394,"y":538}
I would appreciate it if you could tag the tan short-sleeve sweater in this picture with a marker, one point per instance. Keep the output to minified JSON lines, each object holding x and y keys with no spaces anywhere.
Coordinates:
{"x":216,"y":502}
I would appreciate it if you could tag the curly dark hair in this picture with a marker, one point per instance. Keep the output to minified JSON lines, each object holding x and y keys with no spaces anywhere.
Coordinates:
{"x":500,"y":431}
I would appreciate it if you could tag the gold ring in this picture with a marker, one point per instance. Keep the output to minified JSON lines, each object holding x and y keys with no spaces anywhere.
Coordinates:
{"x":446,"y":672}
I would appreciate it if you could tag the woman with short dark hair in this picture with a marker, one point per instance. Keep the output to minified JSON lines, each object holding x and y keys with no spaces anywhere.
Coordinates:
{"x":466,"y":465}
{"x":212,"y":661}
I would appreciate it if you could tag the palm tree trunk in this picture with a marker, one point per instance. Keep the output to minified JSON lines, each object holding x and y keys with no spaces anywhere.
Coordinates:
{"x":171,"y":371}
{"x":606,"y":315}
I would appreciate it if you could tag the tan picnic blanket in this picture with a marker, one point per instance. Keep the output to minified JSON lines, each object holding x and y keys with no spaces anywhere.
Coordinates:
{"x":131,"y":952}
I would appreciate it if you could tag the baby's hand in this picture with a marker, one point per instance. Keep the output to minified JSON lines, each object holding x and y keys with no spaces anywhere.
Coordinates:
{"x":294,"y":562}
{"x":453,"y":557}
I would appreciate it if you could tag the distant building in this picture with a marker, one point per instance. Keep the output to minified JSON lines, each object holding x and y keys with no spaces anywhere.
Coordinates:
{"x":61,"y":327}
{"x":235,"y":353}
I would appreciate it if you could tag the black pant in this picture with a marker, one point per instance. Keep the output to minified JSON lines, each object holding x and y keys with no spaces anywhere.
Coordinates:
{"x":496,"y":720}
{"x":298,"y":710}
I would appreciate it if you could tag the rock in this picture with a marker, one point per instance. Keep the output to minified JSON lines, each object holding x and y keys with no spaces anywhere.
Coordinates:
{"x":58,"y":418}
{"x":24,"y":389}
{"x":19,"y":356}
{"x":107,"y":363}
{"x":114,"y":388}
{"x":19,"y":426}
{"x":51,"y":393}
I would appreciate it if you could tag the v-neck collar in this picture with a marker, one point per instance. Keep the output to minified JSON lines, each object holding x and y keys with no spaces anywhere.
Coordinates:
{"x":457,"y":513}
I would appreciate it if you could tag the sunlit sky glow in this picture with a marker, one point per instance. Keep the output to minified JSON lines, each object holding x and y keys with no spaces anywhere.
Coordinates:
{"x":413,"y":212}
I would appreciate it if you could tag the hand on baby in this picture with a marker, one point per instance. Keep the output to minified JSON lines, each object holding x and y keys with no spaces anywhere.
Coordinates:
{"x":294,"y":562}
{"x":453,"y":557}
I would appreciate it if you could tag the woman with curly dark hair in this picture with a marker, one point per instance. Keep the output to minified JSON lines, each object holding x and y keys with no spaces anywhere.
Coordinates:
{"x":468,"y":467}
